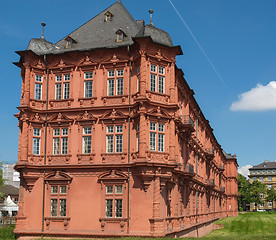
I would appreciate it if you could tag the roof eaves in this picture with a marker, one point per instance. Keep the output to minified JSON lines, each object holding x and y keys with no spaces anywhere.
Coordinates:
{"x":177,"y":47}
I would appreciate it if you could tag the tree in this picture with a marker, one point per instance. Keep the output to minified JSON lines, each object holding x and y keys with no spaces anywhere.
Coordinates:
{"x":271,"y":195}
{"x":243,"y":188}
{"x":2,"y":181}
{"x":255,"y":190}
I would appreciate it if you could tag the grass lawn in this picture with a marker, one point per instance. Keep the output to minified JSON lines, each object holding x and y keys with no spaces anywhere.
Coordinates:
{"x":248,"y":226}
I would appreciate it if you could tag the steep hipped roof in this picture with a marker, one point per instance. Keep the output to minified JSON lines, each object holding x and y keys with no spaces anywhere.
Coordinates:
{"x":264,"y":165}
{"x":99,"y":33}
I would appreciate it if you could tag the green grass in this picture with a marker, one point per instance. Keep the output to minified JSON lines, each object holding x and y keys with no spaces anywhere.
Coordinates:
{"x":248,"y":226}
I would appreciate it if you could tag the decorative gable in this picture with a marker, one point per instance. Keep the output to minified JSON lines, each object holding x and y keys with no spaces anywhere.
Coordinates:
{"x":159,"y":113}
{"x":59,"y":118}
{"x":62,"y":64}
{"x":58,"y":177}
{"x":86,"y":117}
{"x":113,"y":115}
{"x":112,"y":175}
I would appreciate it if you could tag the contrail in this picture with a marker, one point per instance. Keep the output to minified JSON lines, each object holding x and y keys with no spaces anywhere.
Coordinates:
{"x":198,"y":44}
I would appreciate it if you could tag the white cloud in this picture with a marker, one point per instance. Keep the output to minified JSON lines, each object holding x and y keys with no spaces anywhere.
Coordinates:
{"x":260,"y":98}
{"x":244,"y":170}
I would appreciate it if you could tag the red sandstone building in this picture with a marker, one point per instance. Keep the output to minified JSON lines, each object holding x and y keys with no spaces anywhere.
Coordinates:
{"x":112,"y":141}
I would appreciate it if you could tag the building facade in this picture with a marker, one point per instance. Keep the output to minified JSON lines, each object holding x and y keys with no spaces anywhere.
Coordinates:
{"x":111,"y":139}
{"x":265,"y":172}
{"x":10,"y":175}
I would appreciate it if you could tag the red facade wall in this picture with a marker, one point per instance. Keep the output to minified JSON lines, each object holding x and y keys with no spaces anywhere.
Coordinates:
{"x":187,"y":184}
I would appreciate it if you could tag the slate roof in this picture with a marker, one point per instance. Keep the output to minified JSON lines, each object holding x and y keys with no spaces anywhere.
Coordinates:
{"x":9,"y":190}
{"x":98,"y":33}
{"x":228,"y":156}
{"x":264,"y":165}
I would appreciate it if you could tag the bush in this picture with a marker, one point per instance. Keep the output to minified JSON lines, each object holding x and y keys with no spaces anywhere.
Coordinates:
{"x":6,"y":232}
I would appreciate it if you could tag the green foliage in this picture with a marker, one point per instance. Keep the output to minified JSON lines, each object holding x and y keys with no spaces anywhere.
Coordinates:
{"x":255,"y":189}
{"x":271,"y":195}
{"x":243,"y":189}
{"x":6,"y":232}
{"x":249,"y":192}
{"x":2,"y":181}
{"x":248,"y":226}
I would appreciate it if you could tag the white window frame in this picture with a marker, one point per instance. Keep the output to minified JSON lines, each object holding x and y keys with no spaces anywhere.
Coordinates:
{"x":36,"y":141}
{"x":62,"y":86}
{"x":115,"y":82}
{"x":58,"y":201}
{"x":87,"y":140}
{"x":88,"y":84}
{"x":157,"y":137}
{"x":112,"y":199}
{"x":60,"y":141}
{"x":38,"y":91}
{"x":157,"y":78}
{"x":114,"y":132}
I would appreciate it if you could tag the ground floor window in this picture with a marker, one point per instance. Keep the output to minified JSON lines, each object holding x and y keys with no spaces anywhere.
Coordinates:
{"x":114,"y":201}
{"x":58,"y":201}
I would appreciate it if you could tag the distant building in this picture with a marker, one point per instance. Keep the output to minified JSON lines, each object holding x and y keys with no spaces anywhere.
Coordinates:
{"x":9,"y":203}
{"x":10,"y":175}
{"x":112,"y":141}
{"x":10,"y":191}
{"x":266,"y":174}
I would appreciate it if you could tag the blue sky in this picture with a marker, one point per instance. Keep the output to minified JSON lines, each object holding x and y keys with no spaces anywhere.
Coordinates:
{"x":238,"y":36}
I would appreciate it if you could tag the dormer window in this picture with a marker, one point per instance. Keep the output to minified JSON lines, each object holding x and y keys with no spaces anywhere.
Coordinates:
{"x":120,"y":35}
{"x":69,"y":42}
{"x":108,"y":16}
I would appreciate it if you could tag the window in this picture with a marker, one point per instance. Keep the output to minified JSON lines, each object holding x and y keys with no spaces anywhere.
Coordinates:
{"x":261,"y":205}
{"x":269,"y":204}
{"x":114,"y":201}
{"x":273,"y":170}
{"x":36,"y":141}
{"x":137,"y":136}
{"x":268,"y":171}
{"x":154,"y":132}
{"x":108,"y":16}
{"x":88,"y":84}
{"x":258,"y":171}
{"x":115,"y":82}
{"x":260,"y":179}
{"x":58,"y":201}
{"x":157,"y":86}
{"x":62,"y":86}
{"x":253,"y":172}
{"x":263,"y":171}
{"x":269,"y":186}
{"x":254,"y":179}
{"x":86,"y":140}
{"x":60,"y":141}
{"x":261,"y":195}
{"x":120,"y":37}
{"x":114,"y":133}
{"x":38,"y":87}
{"x":269,"y":179}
